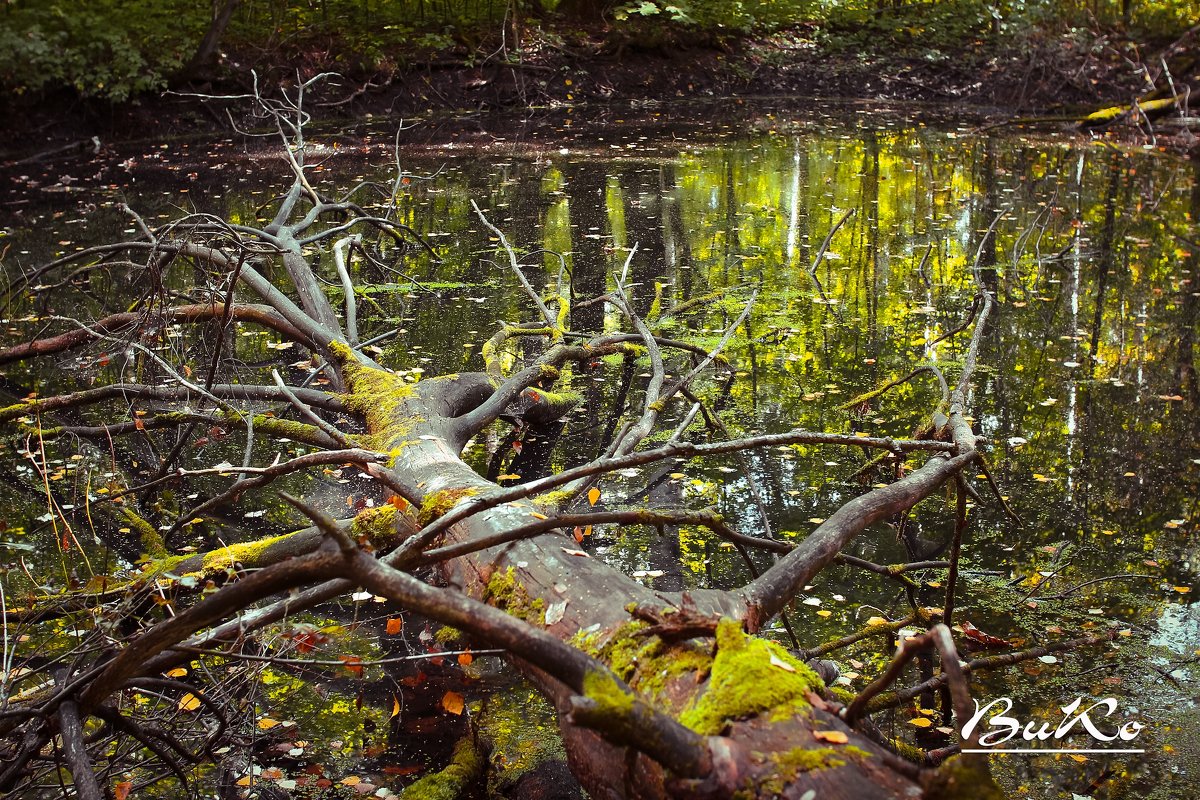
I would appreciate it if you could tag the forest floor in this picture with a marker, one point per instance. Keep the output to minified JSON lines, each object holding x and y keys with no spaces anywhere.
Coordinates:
{"x":1044,"y":78}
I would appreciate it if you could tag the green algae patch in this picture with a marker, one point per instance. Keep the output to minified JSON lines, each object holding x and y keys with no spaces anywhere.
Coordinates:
{"x":505,"y":592}
{"x":749,"y":676}
{"x":963,"y":777}
{"x":465,"y":767}
{"x":522,"y":729}
{"x":436,"y":504}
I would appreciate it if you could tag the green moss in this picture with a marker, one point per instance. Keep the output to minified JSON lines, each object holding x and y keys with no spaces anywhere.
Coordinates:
{"x":554,"y":499}
{"x":745,"y":681}
{"x":379,"y":396}
{"x":436,"y":504}
{"x":375,"y":525}
{"x":285,"y":428}
{"x":963,"y":777}
{"x":505,"y":592}
{"x":645,"y":662}
{"x":658,"y":671}
{"x":466,"y":765}
{"x":149,"y":537}
{"x":447,"y":634}
{"x":600,"y":687}
{"x":783,"y":768}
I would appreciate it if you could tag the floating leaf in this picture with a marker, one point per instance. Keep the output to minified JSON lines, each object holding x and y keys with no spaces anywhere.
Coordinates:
{"x":266,"y":723}
{"x":189,"y":702}
{"x":537,"y":515}
{"x":593,"y":496}
{"x":579,"y":553}
{"x":452,"y":702}
{"x":465,"y":659}
{"x":920,"y":722}
{"x":833,"y":737}
{"x":395,"y":706}
{"x":394,"y":625}
{"x":178,"y":672}
{"x":352,"y":664}
{"x":121,"y":789}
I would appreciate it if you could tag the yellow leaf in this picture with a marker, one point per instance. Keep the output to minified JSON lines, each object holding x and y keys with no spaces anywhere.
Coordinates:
{"x":395,"y":706}
{"x":266,"y":723}
{"x":178,"y":672}
{"x":824,"y":613}
{"x":352,"y":780}
{"x":536,"y":515}
{"x":833,"y":737}
{"x":245,"y":781}
{"x":593,"y":496}
{"x":919,"y":722}
{"x":1183,"y":589}
{"x":189,"y":702}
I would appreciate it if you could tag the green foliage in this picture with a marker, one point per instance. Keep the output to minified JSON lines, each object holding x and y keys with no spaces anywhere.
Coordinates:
{"x":102,"y":48}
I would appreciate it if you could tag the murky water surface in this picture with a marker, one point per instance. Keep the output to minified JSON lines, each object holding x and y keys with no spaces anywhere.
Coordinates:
{"x":1086,"y":391}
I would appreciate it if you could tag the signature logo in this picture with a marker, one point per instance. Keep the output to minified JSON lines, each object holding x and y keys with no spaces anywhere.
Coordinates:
{"x":997,"y":728}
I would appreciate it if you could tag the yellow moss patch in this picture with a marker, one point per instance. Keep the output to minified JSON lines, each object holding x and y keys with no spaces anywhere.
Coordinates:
{"x":379,"y":396}
{"x":436,"y":504}
{"x":505,"y":592}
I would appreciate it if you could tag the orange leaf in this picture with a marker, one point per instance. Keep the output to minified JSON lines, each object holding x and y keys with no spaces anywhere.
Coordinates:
{"x":464,"y":659}
{"x":578,"y":534}
{"x":833,"y":737}
{"x":453,"y":702}
{"x":137,"y":423}
{"x":395,"y":706}
{"x":593,"y":496}
{"x":399,"y":502}
{"x":353,"y":665}
{"x":121,"y":790}
{"x":394,"y":625}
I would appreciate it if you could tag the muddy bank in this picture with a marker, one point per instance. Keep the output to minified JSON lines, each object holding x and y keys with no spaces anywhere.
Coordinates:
{"x":1047,"y":79}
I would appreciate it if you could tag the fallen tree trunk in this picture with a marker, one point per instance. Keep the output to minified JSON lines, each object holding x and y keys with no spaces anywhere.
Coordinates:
{"x":658,"y":694}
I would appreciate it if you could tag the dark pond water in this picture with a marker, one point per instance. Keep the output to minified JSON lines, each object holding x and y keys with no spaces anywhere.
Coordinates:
{"x":1086,"y":392}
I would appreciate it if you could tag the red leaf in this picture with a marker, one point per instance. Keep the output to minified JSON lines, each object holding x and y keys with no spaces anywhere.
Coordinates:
{"x":985,"y":639}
